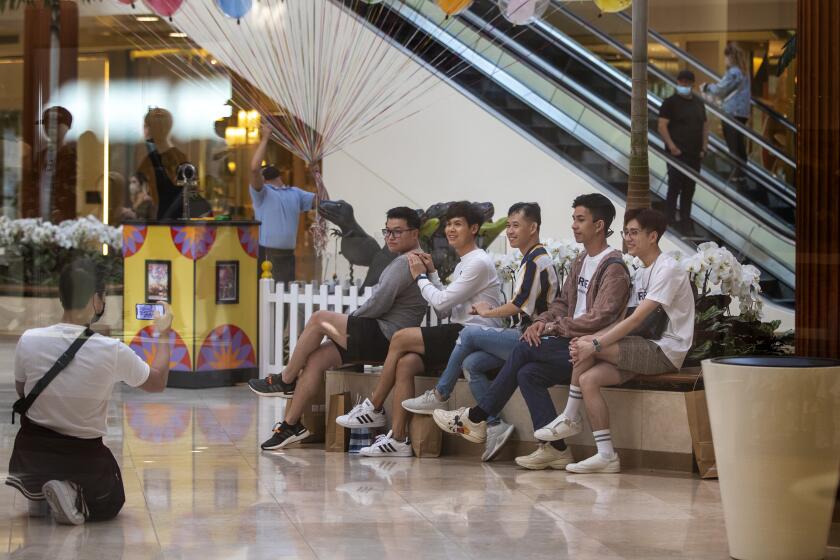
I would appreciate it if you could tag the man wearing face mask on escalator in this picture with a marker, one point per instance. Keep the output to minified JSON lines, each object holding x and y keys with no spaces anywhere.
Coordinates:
{"x":64,"y":376}
{"x":685,"y":131}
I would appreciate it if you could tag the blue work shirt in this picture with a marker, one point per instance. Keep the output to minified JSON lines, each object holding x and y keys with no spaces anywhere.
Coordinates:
{"x":279,"y":208}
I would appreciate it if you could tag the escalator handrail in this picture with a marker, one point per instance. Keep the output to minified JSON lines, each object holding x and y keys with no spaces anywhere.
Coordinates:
{"x":656,"y":36}
{"x":578,"y":92}
{"x":664,"y":76}
{"x":713,"y":183}
{"x":779,"y":188}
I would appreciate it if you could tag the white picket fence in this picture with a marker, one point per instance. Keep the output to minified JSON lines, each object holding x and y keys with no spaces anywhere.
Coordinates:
{"x":283,"y":306}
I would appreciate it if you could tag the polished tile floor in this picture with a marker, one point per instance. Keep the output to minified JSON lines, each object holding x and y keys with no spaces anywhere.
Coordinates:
{"x":197,"y":487}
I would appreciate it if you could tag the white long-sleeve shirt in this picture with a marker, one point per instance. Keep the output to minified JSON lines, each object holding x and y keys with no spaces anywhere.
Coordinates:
{"x":474,"y":280}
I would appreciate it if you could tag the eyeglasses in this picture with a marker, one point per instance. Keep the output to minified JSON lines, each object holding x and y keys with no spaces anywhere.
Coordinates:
{"x":630,"y":233}
{"x":395,"y":233}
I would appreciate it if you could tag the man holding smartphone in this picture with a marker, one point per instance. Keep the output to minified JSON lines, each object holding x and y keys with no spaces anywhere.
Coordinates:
{"x":58,"y":455}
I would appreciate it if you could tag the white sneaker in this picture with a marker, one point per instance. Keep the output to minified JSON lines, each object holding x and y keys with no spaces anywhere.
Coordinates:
{"x":65,"y":502}
{"x":596,"y":464}
{"x":362,"y":416}
{"x":426,"y":403}
{"x":546,"y":456}
{"x":497,"y":437}
{"x":387,"y":446}
{"x":559,"y":428}
{"x":458,"y":422}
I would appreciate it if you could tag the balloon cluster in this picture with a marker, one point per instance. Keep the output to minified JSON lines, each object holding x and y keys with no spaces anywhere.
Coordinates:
{"x":518,"y":12}
{"x":235,"y":9}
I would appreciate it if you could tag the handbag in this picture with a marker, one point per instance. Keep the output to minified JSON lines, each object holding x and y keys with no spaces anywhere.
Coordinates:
{"x":22,"y":404}
{"x":654,"y":324}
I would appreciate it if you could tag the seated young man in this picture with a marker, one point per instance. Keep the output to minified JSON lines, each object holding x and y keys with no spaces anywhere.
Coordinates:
{"x":415,"y":350}
{"x":58,"y":455}
{"x":362,"y":337}
{"x":594,"y":296}
{"x":481,"y":349}
{"x":613,"y":357}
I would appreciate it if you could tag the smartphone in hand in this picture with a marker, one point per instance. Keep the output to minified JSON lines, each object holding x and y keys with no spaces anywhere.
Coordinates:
{"x":146,"y":311}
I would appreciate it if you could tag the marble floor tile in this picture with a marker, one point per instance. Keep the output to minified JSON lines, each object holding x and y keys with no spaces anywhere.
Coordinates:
{"x":198,"y":487}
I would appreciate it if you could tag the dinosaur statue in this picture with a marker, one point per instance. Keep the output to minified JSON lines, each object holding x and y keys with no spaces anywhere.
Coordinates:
{"x":360,"y":249}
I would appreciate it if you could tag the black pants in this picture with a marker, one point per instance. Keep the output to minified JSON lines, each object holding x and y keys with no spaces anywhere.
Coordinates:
{"x":681,"y":186}
{"x":41,"y":455}
{"x":737,"y":144}
{"x":282,"y":263}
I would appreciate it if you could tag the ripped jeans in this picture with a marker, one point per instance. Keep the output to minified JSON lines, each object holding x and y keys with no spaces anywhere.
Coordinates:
{"x":478,"y":351}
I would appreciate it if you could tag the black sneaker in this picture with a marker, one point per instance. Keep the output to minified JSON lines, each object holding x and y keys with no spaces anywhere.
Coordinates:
{"x":273,"y":386}
{"x":285,"y":435}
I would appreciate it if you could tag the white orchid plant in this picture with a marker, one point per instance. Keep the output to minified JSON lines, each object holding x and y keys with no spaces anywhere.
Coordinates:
{"x":34,"y":250}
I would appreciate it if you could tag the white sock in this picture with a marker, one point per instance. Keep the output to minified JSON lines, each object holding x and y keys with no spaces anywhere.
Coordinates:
{"x":572,"y":410}
{"x":603,"y":439}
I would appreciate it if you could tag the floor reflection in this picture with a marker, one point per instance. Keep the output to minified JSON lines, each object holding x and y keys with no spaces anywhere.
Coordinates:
{"x":198,"y":487}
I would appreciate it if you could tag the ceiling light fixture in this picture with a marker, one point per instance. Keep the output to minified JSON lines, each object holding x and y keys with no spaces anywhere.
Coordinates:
{"x":177,"y":34}
{"x":147,"y":18}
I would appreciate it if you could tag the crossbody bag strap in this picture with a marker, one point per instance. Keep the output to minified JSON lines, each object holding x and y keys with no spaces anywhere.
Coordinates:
{"x":22,"y":404}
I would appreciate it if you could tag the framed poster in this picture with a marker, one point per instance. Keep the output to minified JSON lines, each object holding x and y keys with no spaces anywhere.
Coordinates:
{"x":159,"y":281}
{"x":227,"y":282}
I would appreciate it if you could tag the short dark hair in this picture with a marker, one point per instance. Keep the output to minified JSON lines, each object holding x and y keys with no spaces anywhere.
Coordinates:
{"x":685,"y":76}
{"x":600,"y":207}
{"x":269,"y":172}
{"x":464,"y":209}
{"x":410,"y":215}
{"x":649,"y":220}
{"x":530,"y":210}
{"x":77,"y":283}
{"x":159,"y":122}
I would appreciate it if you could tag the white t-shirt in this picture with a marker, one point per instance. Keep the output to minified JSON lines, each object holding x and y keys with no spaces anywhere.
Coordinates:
{"x":590,"y":265}
{"x":474,"y":280}
{"x":666,"y":283}
{"x":76,"y":402}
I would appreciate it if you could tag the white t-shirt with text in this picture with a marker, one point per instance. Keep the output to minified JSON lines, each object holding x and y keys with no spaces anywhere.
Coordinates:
{"x":590,"y":265}
{"x":76,"y":402}
{"x":667,"y":283}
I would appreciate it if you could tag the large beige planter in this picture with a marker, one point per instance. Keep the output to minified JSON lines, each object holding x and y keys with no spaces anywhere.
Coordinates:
{"x":776,"y":430}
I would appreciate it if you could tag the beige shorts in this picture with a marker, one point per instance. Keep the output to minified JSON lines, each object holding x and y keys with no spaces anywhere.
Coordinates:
{"x":640,"y":356}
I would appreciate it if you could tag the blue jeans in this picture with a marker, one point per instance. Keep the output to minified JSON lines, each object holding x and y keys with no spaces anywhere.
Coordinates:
{"x":533,"y":370}
{"x":478,"y":351}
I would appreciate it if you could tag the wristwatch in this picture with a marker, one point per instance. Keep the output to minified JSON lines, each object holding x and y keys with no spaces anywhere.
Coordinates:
{"x":596,"y":344}
{"x":421,"y":276}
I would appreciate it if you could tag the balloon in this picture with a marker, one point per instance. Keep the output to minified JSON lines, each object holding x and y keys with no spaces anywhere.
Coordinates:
{"x":234,"y":8}
{"x":523,"y":12}
{"x":612,"y":6}
{"x":127,"y":2}
{"x":454,"y":7}
{"x":164,"y":8}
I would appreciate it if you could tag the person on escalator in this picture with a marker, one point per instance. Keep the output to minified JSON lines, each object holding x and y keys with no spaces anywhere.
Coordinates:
{"x":684,"y":128}
{"x":734,"y":91}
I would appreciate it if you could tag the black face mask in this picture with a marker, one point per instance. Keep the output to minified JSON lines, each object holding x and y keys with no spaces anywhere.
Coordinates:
{"x":98,"y":315}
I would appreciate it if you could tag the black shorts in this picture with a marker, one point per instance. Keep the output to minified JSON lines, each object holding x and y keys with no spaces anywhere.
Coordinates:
{"x":365,"y":342}
{"x":438,"y":344}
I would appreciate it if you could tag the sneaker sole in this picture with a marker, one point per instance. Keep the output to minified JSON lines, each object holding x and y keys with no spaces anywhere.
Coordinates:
{"x":408,"y":453}
{"x":60,"y":503}
{"x":280,"y":394}
{"x":469,"y":437}
{"x":287,"y":441}
{"x":544,"y":434}
{"x":374,"y":424}
{"x":556,"y":465}
{"x":610,"y":469}
{"x":427,"y":412}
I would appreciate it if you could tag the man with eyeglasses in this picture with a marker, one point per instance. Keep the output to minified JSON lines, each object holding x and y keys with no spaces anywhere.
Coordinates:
{"x":593,"y":297}
{"x":417,"y":350}
{"x":363,"y":336}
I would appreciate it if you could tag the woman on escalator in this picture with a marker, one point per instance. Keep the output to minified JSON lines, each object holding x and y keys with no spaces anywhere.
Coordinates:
{"x":734,"y":92}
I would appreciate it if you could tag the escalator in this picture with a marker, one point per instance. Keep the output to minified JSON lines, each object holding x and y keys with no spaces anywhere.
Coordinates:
{"x":575,"y":107}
